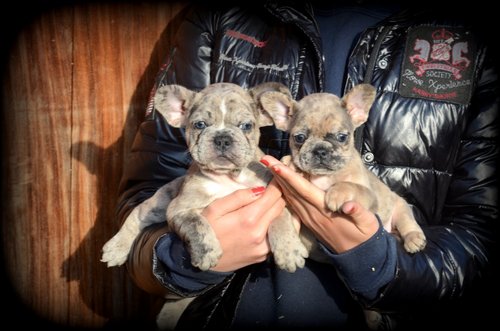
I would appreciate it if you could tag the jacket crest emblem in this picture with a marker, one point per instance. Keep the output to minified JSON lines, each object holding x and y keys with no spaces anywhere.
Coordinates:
{"x":438,"y":64}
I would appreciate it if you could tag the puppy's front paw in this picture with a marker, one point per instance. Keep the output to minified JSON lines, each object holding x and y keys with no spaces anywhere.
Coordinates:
{"x":290,"y":254}
{"x":341,"y":192}
{"x":287,"y":160}
{"x":200,"y":238}
{"x":205,"y":254}
{"x":115,"y":251}
{"x":414,"y":241}
{"x":336,"y":196}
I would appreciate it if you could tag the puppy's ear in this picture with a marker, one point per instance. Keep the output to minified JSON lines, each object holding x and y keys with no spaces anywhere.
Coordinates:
{"x":274,"y":100}
{"x":277,"y":108}
{"x":172,"y":101}
{"x":358,"y":102}
{"x":257,"y":90}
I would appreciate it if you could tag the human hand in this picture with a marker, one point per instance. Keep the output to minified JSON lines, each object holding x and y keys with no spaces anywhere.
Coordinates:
{"x":340,"y":231}
{"x":240,"y":221}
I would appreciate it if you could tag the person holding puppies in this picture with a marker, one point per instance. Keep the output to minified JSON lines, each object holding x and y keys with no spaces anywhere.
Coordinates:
{"x":431,"y":136}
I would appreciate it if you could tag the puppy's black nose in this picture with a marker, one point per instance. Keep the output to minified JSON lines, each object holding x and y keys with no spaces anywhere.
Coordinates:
{"x":223,"y":142}
{"x":321,"y":153}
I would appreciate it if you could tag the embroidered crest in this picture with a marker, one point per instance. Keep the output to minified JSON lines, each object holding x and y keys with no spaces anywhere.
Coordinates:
{"x":438,"y":64}
{"x":242,"y":36}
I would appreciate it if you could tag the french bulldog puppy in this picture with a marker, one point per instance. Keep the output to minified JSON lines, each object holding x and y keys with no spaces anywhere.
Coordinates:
{"x":321,"y":127}
{"x":222,"y":124}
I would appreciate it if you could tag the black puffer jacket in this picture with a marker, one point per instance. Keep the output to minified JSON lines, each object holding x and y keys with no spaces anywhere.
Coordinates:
{"x":431,"y":134}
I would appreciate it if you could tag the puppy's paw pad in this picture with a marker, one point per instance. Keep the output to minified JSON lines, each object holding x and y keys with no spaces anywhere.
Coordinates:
{"x":291,"y":258}
{"x":290,"y":264}
{"x":115,"y":251}
{"x":286,"y":160}
{"x":205,"y":257}
{"x":414,"y":242}
{"x":334,"y":199}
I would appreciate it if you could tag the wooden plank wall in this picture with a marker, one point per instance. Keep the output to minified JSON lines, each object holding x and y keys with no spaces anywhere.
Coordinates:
{"x":74,"y":90}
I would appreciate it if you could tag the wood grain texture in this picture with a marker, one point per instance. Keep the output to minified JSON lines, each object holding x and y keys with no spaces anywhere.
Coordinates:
{"x":37,"y":129}
{"x":75,"y":88}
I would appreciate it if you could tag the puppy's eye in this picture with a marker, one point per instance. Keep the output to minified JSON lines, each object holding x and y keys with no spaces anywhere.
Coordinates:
{"x":342,"y":137}
{"x":246,"y":126}
{"x":299,"y":138}
{"x":200,"y":125}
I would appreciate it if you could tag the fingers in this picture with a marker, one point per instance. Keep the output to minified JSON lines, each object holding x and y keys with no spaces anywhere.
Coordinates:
{"x":268,"y":207}
{"x":233,"y":201}
{"x":292,"y":181}
{"x":272,"y":192}
{"x":268,"y":160}
{"x":257,"y":200}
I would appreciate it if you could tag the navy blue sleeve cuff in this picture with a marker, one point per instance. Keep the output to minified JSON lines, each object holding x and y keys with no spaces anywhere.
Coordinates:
{"x":367,"y":268}
{"x":172,"y":266}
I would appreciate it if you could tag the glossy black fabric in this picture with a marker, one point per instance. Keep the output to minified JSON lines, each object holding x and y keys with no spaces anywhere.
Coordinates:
{"x":440,"y":156}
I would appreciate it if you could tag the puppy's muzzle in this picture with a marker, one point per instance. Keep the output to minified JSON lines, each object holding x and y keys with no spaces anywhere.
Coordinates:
{"x":223,"y":142}
{"x":322,"y":154}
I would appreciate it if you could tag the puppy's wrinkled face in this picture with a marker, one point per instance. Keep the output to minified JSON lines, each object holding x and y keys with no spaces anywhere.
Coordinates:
{"x":321,"y":134}
{"x":221,"y":129}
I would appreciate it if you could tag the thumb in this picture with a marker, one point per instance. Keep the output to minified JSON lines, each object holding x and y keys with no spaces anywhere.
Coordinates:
{"x":233,"y":201}
{"x":360,"y":216}
{"x":351,"y":208}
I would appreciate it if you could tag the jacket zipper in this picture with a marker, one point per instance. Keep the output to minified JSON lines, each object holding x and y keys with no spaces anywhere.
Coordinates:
{"x":372,"y":60}
{"x":374,"y":55}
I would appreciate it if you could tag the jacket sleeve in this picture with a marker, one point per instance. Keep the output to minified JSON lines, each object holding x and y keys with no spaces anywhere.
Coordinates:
{"x":460,"y":250}
{"x":159,"y":152}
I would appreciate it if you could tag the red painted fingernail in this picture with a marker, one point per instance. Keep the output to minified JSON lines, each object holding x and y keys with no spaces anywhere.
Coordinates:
{"x":258,"y":190}
{"x":276,"y":169}
{"x":264,"y":162}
